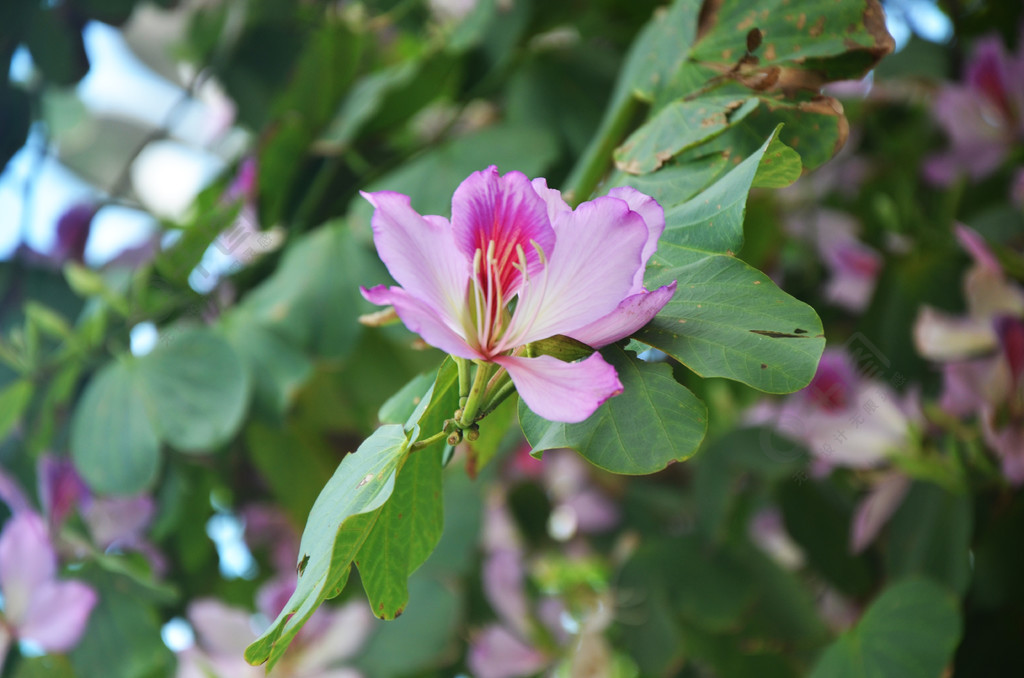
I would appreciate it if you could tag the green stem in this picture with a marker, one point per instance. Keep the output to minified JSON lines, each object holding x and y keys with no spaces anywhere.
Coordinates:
{"x":591,"y":167}
{"x":464,"y":381}
{"x":426,"y":442}
{"x":498,"y":397}
{"x":469,"y":412}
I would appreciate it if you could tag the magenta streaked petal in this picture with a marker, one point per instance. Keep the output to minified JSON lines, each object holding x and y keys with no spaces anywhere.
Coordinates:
{"x":875,"y":509}
{"x":975,"y":245}
{"x":506,"y":211}
{"x":558,"y":391}
{"x":57,"y":615}
{"x":590,"y":272}
{"x":419,"y":253}
{"x":633,"y":313}
{"x":552,"y":197}
{"x":988,"y":73}
{"x":653,"y":215}
{"x":27,"y":563}
{"x":421,"y":318}
{"x":495,"y":652}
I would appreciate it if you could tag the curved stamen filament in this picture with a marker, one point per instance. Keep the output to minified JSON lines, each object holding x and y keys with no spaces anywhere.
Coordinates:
{"x":524,"y":327}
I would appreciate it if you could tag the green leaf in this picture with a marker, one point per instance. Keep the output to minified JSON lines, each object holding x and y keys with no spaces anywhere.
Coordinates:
{"x":910,"y":631}
{"x":55,"y":41}
{"x":930,"y":534}
{"x":14,"y":398}
{"x":123,"y":625}
{"x":655,"y":421}
{"x":727,"y":319}
{"x":420,"y":638}
{"x":678,"y":126}
{"x":406,"y":532}
{"x":400,"y":407}
{"x":113,"y":441}
{"x":50,"y":666}
{"x":341,"y":519}
{"x":195,"y":387}
{"x":14,"y":123}
{"x":780,"y":166}
{"x":313,"y":297}
{"x":293,"y":463}
{"x":276,"y":367}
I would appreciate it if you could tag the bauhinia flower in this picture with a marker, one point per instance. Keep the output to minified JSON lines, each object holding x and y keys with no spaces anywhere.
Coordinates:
{"x":516,"y":265}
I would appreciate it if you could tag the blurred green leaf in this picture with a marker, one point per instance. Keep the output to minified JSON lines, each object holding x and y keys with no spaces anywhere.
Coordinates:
{"x":55,"y":41}
{"x":654,"y":422}
{"x":930,"y":535}
{"x":339,"y":523}
{"x":313,"y":299}
{"x":113,"y":442}
{"x":15,"y":118}
{"x":293,"y":463}
{"x":425,"y":634}
{"x":195,"y":387}
{"x":910,"y":631}
{"x":14,"y":399}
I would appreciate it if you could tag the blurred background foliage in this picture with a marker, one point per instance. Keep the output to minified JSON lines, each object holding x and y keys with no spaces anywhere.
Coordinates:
{"x":182,"y":250}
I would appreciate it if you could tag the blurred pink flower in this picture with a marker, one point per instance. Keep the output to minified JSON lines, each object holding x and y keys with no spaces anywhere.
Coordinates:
{"x":982,"y":354}
{"x":843,"y":417}
{"x":572,"y":272}
{"x":853,"y":266}
{"x":983,"y":117}
{"x":874,"y":510}
{"x":332,"y":635}
{"x":38,"y":607}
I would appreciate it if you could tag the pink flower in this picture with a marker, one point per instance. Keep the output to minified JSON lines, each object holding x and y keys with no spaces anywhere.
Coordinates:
{"x":577,"y":273}
{"x":984,"y":117}
{"x":37,"y":606}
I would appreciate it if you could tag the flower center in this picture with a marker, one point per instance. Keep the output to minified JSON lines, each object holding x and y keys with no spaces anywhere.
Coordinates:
{"x":493,"y":277}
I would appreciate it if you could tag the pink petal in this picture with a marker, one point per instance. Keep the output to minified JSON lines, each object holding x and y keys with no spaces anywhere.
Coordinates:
{"x":633,"y":313}
{"x":875,"y":510}
{"x":940,"y":336}
{"x":27,"y":562}
{"x":507,"y":211}
{"x":12,"y":494}
{"x":220,"y":629}
{"x":496,"y":653}
{"x":118,"y":520}
{"x":419,"y":253}
{"x":344,"y":631}
{"x":503,"y":578}
{"x":558,"y":391}
{"x":552,"y":197}
{"x":975,"y":245}
{"x":57,"y":615}
{"x":422,"y":318}
{"x":589,"y":273}
{"x":653,"y":215}
{"x":61,"y":489}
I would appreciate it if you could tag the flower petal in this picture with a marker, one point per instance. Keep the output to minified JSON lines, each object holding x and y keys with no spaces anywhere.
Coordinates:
{"x":27,"y":562}
{"x":633,"y":313}
{"x":496,"y":653}
{"x":558,"y":391}
{"x":419,"y":253}
{"x":422,"y":318}
{"x":590,"y":272}
{"x":344,"y":631}
{"x":552,"y":197}
{"x":940,"y":336}
{"x":653,"y":215}
{"x":220,"y":628}
{"x":57,"y":615}
{"x":507,"y":211}
{"x":875,"y":509}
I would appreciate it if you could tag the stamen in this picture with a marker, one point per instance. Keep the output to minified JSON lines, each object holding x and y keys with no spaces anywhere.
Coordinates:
{"x":523,"y":328}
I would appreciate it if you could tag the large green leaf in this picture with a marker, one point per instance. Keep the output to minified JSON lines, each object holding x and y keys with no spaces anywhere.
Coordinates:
{"x":276,"y":367}
{"x":727,"y":319}
{"x":652,"y":423}
{"x":678,"y":126}
{"x":910,"y":631}
{"x":113,"y":442}
{"x":341,"y":519}
{"x":196,"y":388}
{"x":410,"y":524}
{"x":14,"y":398}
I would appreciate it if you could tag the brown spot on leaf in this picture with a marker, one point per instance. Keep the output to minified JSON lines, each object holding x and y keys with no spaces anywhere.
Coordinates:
{"x":757,"y":282}
{"x":763,"y":366}
{"x":801,"y":21}
{"x":818,"y":28}
{"x":754,"y":38}
{"x":708,"y":17}
{"x":769,"y":52}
